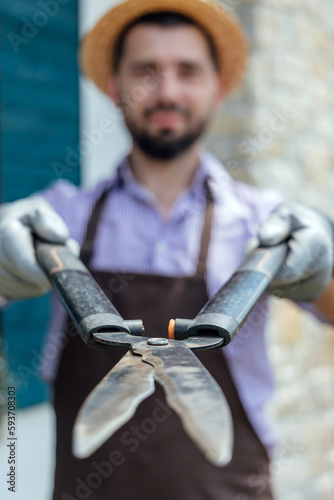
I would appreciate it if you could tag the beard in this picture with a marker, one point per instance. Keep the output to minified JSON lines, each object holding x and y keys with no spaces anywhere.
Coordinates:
{"x":165,"y":145}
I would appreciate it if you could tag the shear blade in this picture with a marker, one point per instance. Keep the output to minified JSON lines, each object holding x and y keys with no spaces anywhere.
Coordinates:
{"x":190,"y":390}
{"x":195,"y":396}
{"x":111,"y":404}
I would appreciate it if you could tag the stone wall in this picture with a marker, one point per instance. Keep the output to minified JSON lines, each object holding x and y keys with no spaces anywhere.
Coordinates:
{"x":278,"y":128}
{"x":277,"y":132}
{"x":302,"y":351}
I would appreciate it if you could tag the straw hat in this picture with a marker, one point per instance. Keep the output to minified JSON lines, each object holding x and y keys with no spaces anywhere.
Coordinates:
{"x":227,"y":36}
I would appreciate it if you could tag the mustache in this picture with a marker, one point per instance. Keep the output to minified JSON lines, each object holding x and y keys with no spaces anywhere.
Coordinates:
{"x":172,"y":107}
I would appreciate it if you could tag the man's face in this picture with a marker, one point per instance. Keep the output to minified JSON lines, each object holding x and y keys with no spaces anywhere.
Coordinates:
{"x":167,"y":86}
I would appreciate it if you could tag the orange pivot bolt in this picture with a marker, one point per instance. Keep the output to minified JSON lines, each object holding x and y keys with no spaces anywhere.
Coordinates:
{"x":171,"y":329}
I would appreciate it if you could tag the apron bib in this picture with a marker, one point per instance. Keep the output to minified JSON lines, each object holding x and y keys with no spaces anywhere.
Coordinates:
{"x":151,"y":457}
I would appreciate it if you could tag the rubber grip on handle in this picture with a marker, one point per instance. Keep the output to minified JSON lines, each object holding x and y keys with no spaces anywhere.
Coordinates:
{"x":87,"y":305}
{"x":227,"y":311}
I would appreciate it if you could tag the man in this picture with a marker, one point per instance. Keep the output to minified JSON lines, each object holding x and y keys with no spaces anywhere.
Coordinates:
{"x":153,"y":242}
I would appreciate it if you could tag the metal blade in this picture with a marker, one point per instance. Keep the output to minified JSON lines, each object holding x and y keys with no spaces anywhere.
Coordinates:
{"x":112,"y":403}
{"x":195,"y":396}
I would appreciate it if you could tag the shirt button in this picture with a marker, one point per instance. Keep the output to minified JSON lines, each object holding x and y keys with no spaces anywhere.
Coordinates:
{"x":161,"y":247}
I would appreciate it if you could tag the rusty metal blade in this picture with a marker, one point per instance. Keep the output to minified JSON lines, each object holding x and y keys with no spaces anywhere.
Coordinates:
{"x":112,"y":403}
{"x":195,"y":396}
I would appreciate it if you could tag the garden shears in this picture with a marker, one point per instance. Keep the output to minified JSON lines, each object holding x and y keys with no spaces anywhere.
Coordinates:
{"x":190,"y":389}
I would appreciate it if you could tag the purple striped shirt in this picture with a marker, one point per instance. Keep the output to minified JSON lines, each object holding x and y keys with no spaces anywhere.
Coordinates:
{"x":134,"y":237}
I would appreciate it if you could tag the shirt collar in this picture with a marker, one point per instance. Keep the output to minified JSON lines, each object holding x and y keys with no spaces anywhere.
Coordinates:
{"x":210,"y":172}
{"x":216,"y":174}
{"x":124,"y":173}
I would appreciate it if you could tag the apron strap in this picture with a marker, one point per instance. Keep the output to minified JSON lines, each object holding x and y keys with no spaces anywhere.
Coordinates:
{"x":87,"y":248}
{"x":206,"y":234}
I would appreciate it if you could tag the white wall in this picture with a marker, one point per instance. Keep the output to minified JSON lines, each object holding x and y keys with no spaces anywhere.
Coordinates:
{"x":34,"y":454}
{"x":100,"y":152}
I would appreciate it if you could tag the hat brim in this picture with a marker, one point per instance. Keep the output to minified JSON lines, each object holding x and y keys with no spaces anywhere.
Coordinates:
{"x":226,"y":33}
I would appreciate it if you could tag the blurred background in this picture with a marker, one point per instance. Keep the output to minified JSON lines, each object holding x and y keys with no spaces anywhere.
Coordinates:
{"x":276,"y":132}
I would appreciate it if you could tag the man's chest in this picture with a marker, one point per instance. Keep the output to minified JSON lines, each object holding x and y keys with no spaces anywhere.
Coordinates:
{"x":133,"y":237}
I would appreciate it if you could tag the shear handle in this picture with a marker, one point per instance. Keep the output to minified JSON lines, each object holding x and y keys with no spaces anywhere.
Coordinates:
{"x":85,"y":302}
{"x":226,"y":312}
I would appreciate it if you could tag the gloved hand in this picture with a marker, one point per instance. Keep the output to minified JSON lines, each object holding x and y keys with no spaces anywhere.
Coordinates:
{"x":308,"y":267}
{"x":20,"y":274}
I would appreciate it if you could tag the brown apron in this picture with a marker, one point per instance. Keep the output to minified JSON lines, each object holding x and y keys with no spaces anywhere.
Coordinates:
{"x":151,"y":457}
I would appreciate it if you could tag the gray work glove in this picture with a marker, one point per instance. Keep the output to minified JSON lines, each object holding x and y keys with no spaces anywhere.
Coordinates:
{"x":308,"y":267}
{"x":20,"y":274}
